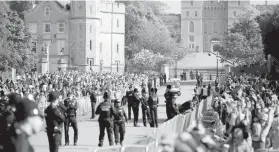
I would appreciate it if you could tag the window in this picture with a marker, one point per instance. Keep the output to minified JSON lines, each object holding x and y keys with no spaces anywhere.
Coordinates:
{"x":91,"y":9}
{"x":190,"y":46}
{"x":234,"y":13}
{"x":47,"y":27}
{"x":192,"y":27}
{"x":61,"y":27}
{"x":34,"y":47}
{"x":117,"y":48}
{"x":187,"y":13}
{"x":197,"y":48}
{"x":238,"y":2}
{"x":205,"y":8}
{"x":193,"y":46}
{"x":90,"y":44}
{"x":192,"y":3}
{"x":32,"y":27}
{"x":90,"y":29}
{"x":117,"y":23}
{"x":47,"y":11}
{"x":101,"y":47}
{"x":80,"y":6}
{"x":205,"y":28}
{"x":117,"y":5}
{"x":215,"y":27}
{"x":191,"y":38}
{"x":117,"y":64}
{"x":196,"y":13}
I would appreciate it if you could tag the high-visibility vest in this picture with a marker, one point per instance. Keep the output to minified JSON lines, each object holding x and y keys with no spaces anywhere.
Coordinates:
{"x":204,"y":91}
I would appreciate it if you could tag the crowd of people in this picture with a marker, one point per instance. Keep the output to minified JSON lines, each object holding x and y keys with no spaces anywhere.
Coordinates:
{"x":242,"y":117}
{"x":60,"y":93}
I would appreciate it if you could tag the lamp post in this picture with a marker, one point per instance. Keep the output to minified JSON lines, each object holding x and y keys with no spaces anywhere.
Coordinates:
{"x":217,"y":56}
{"x":176,"y":56}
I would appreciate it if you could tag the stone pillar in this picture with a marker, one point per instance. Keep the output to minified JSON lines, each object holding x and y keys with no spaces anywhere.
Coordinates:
{"x":43,"y":66}
{"x":165,"y":69}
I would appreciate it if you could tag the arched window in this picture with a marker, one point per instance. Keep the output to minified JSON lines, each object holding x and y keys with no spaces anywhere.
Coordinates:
{"x":47,"y":11}
{"x":215,"y":27}
{"x":205,"y":28}
{"x":192,"y":27}
{"x":238,"y":2}
{"x":192,"y":3}
{"x":117,"y":48}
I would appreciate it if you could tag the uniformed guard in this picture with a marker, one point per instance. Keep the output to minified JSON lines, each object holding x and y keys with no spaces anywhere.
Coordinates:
{"x":120,"y":118}
{"x":135,"y":106}
{"x":129,"y":99}
{"x":145,"y":108}
{"x":71,"y":108}
{"x":28,"y":122}
{"x":105,"y":120}
{"x":153,"y":102}
{"x":54,"y":120}
{"x":168,"y":96}
{"x":93,"y":99}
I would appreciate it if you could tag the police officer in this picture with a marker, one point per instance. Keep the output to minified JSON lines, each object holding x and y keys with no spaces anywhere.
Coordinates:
{"x":9,"y":116}
{"x":135,"y":106}
{"x":129,"y":98}
{"x":145,"y":108}
{"x":54,"y":120}
{"x":120,"y":118}
{"x":105,"y":120}
{"x":153,"y":102}
{"x":71,"y":108}
{"x":28,"y":122}
{"x":168,"y":96}
{"x":172,"y":107}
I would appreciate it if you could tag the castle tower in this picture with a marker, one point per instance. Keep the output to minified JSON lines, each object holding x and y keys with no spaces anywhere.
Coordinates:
{"x":191,"y":25}
{"x":85,"y":30}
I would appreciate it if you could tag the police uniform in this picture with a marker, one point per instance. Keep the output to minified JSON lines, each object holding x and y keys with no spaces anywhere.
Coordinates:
{"x":54,"y":120}
{"x":135,"y":106}
{"x":17,"y":139}
{"x":153,"y":102}
{"x":120,"y":118}
{"x":71,"y":108}
{"x":168,"y":96}
{"x":129,"y":98}
{"x":145,"y":108}
{"x":105,"y":120}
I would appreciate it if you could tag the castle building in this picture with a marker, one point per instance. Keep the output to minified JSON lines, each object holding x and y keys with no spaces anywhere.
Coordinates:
{"x":205,"y":23}
{"x":82,"y":34}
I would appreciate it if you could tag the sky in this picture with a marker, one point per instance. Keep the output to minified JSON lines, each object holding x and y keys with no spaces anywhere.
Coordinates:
{"x":173,"y":6}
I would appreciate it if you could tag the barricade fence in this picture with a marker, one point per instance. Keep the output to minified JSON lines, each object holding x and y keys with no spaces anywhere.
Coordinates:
{"x":177,"y":125}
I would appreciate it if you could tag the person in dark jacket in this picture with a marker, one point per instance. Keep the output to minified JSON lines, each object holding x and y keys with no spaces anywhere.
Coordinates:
{"x":71,"y":108}
{"x":93,"y":100}
{"x":54,"y":121}
{"x":28,"y":122}
{"x":153,"y":102}
{"x":168,"y":96}
{"x":145,"y":108}
{"x":135,"y":106}
{"x":119,"y":120}
{"x":105,"y":120}
{"x":129,"y":99}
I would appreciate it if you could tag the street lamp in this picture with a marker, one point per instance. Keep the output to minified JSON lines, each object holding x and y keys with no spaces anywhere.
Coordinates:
{"x":209,"y":54}
{"x":217,"y":56}
{"x":176,"y":57}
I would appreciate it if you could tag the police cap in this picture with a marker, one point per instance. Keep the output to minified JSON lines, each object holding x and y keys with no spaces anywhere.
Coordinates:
{"x":143,"y":91}
{"x":168,"y":86}
{"x":152,"y":90}
{"x":130,"y":86}
{"x":14,"y":98}
{"x":136,"y":90}
{"x":53,"y":95}
{"x":26,"y":108}
{"x":106,"y":95}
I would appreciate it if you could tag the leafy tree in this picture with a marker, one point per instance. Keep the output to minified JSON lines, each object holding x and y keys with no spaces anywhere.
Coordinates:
{"x":172,"y":21}
{"x":243,"y":41}
{"x":18,"y":43}
{"x":20,"y":7}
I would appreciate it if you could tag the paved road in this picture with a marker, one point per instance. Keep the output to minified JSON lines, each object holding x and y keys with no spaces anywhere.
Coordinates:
{"x":89,"y":129}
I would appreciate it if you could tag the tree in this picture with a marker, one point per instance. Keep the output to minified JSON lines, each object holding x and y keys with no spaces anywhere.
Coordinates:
{"x":145,"y":29}
{"x":18,"y":43}
{"x":243,"y":41}
{"x":20,"y":7}
{"x":172,"y":21}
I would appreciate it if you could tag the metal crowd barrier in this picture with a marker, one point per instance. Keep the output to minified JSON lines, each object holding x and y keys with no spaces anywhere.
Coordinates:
{"x":178,"y":124}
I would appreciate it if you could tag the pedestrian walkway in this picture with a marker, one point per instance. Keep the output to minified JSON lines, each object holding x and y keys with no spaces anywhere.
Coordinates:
{"x":89,"y":129}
